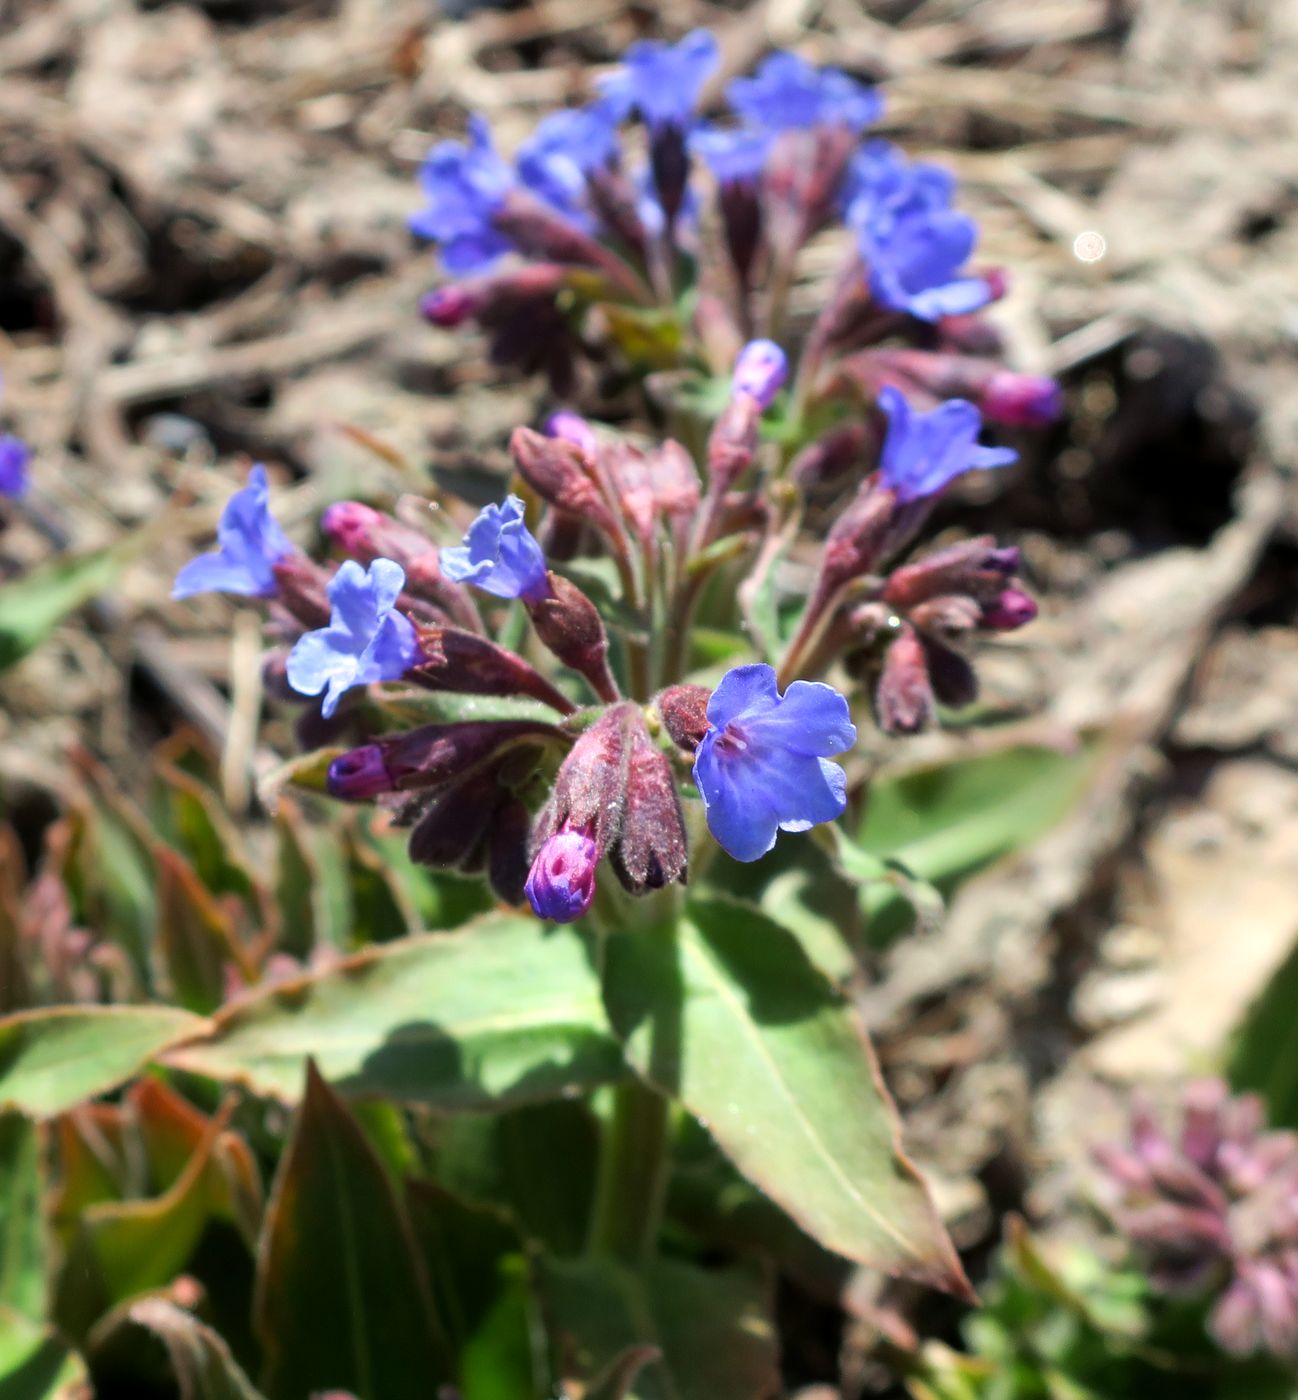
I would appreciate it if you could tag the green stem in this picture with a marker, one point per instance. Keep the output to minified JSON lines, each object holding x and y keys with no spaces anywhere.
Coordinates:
{"x":632,"y":1174}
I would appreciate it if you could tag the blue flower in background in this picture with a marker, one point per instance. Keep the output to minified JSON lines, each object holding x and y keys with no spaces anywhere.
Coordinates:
{"x":914,"y":244}
{"x":662,"y":81}
{"x":249,"y":545}
{"x":499,"y":555}
{"x":763,"y":765}
{"x":366,"y":640}
{"x":760,"y":371}
{"x":735,"y":155}
{"x":787,"y":93}
{"x":466,"y":183}
{"x":924,"y":452}
{"x":565,"y":148}
{"x":14,"y":457}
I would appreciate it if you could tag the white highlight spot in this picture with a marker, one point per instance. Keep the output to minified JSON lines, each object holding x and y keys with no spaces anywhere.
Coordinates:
{"x":1090,"y":246}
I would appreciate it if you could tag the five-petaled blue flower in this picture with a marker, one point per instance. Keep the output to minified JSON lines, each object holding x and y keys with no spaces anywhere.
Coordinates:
{"x":763,"y":765}
{"x":661,"y":81}
{"x":366,"y":640}
{"x":466,"y":183}
{"x":734,"y":155}
{"x":499,"y":555}
{"x":564,"y":149}
{"x":14,"y":456}
{"x":250,"y":544}
{"x":913,"y":243}
{"x":788,"y":93}
{"x":924,"y":452}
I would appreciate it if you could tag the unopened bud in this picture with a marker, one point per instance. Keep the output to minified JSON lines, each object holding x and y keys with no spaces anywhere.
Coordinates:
{"x":760,"y":372}
{"x":358,"y":775}
{"x":561,"y":882}
{"x":974,"y":567}
{"x":572,"y":427}
{"x":555,"y":468}
{"x":684,"y":711}
{"x":904,"y":699}
{"x":468,"y":664}
{"x":651,"y":851}
{"x":732,"y":443}
{"x":1011,"y":610}
{"x":438,"y":753}
{"x":590,"y":788}
{"x":1021,"y":400}
{"x":568,"y":623}
{"x":449,"y":306}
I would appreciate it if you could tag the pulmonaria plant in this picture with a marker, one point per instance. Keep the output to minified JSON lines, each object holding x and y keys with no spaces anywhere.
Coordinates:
{"x":1213,"y":1211}
{"x":593,"y":758}
{"x":576,"y":251}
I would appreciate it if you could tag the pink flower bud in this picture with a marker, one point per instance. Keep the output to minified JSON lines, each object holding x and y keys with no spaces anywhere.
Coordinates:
{"x":449,"y":306}
{"x":561,"y":882}
{"x":760,"y":371}
{"x":904,"y":699}
{"x":572,"y":427}
{"x":1011,"y":610}
{"x":1021,"y":400}
{"x":684,"y":711}
{"x":556,"y":469}
{"x":359,"y":775}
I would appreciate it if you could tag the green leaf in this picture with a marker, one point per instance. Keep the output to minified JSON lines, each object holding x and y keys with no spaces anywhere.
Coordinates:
{"x":503,"y":1011}
{"x":342,"y":1302}
{"x":22,"y":1268}
{"x":297,"y":875}
{"x":732,"y":1018}
{"x":35,"y":1365}
{"x":411,"y":707}
{"x":942,"y":823}
{"x":1264,"y":1057}
{"x":195,"y":937}
{"x":200,"y":1359}
{"x":56,"y":1057}
{"x":33,"y":606}
{"x":711,"y":1327}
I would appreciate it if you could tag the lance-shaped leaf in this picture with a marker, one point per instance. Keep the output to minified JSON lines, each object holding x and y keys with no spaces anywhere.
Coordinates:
{"x":53,"y":1058}
{"x":33,"y":606}
{"x":200,"y":1359}
{"x":342,"y":1302}
{"x":499,"y":1012}
{"x":22,"y":1270}
{"x":732,"y":1018}
{"x":710,"y":1328}
{"x":35,"y":1364}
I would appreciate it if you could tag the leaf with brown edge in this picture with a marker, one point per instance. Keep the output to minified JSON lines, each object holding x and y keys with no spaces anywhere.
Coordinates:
{"x":731,"y":1018}
{"x":342,"y":1302}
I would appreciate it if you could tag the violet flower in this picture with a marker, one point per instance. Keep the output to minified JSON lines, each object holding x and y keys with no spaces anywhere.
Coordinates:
{"x":366,"y":640}
{"x":734,"y":155}
{"x":250,"y":544}
{"x":788,"y":93}
{"x":561,"y":883}
{"x":465,"y":182}
{"x":661,"y":82}
{"x":565,"y":148}
{"x":763,"y":765}
{"x":14,"y":457}
{"x":760,"y":371}
{"x":925,"y":452}
{"x":499,"y":555}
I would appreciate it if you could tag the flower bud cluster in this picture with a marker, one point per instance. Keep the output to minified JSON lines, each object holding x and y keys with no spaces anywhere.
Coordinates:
{"x":1213,"y":1211}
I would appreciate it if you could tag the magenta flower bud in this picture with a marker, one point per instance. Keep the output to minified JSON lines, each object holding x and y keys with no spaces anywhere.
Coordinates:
{"x":760,"y":371}
{"x":1022,"y":400}
{"x":449,"y":306}
{"x":351,"y":526}
{"x":572,"y":427}
{"x":359,"y":775}
{"x":1011,"y":610}
{"x":561,"y":883}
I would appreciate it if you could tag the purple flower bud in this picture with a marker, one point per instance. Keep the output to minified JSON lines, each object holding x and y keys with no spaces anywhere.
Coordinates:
{"x":651,"y":848}
{"x":499,"y":555}
{"x":366,"y":640}
{"x":764,"y":764}
{"x":435,"y":754}
{"x":924,"y":453}
{"x":760,"y":371}
{"x":904,"y":700}
{"x":249,"y":545}
{"x":684,"y":711}
{"x":572,"y":427}
{"x":359,"y":775}
{"x":555,"y":468}
{"x":1021,"y":400}
{"x":1013,"y":609}
{"x":561,"y":883}
{"x":469,"y":664}
{"x":14,"y":457}
{"x":449,"y":306}
{"x":569,"y":624}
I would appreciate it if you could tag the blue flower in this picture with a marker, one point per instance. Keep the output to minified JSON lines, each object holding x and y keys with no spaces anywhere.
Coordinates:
{"x":913,"y":243}
{"x":662,"y":81}
{"x":760,"y":371}
{"x":466,"y":183}
{"x":366,"y":640}
{"x":499,"y":555}
{"x":565,"y":148}
{"x":924,"y":452}
{"x":763,"y":765}
{"x":787,"y":93}
{"x":735,"y":155}
{"x":14,"y":456}
{"x":250,"y":544}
